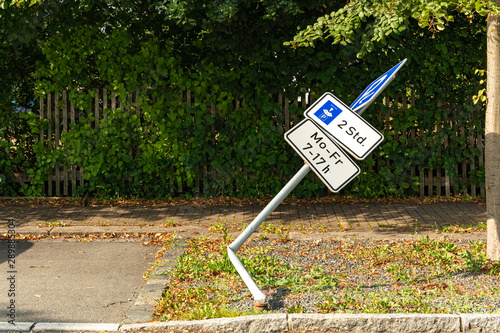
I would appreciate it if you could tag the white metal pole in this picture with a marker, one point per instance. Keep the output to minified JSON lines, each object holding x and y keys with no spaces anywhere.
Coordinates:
{"x":257,"y":294}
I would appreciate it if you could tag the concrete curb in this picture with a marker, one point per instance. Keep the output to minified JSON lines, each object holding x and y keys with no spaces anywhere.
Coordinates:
{"x":71,"y":327}
{"x":269,"y":323}
{"x":260,"y":323}
{"x":400,"y":323}
{"x":375,"y":322}
{"x":17,"y":327}
{"x":480,"y":323}
{"x":142,"y":309}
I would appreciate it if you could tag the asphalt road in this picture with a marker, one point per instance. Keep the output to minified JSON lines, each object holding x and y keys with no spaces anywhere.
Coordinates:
{"x":68,"y":281}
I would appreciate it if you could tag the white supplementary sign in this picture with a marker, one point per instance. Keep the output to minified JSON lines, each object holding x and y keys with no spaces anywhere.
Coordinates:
{"x":346,"y":127}
{"x":326,"y":159}
{"x":374,"y":89}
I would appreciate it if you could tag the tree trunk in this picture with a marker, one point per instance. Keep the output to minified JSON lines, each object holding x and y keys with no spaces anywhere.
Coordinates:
{"x":492,"y":137}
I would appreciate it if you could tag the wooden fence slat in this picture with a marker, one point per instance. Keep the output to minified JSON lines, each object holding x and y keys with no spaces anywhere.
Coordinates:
{"x":437,"y":181}
{"x":378,"y":163}
{"x":136,"y":103}
{"x":281,"y":114}
{"x":412,"y":97}
{"x":464,"y":163}
{"x":104,"y":103}
{"x":446,"y":176}
{"x":56,"y":143}
{"x":294,"y":116}
{"x":287,"y":114}
{"x":49,"y":139}
{"x":49,"y":117}
{"x":455,"y":182}
{"x":72,"y":120}
{"x":472,"y":145}
{"x":387,"y":123}
{"x":138,"y":114}
{"x":422,"y":181}
{"x":404,"y":134}
{"x":65,"y":129}
{"x":129,"y":111}
{"x":96,"y":108}
{"x":113,"y":101}
{"x":42,"y":108}
{"x":42,"y":130}
{"x":480,"y":145}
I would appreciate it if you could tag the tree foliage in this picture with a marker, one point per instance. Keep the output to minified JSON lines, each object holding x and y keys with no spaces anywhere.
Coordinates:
{"x":232,"y":53}
{"x":368,"y":23}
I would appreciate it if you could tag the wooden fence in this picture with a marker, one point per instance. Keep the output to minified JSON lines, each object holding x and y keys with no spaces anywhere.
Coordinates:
{"x":62,"y":114}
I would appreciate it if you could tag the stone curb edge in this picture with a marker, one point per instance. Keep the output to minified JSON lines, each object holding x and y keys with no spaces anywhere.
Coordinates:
{"x":463,"y":323}
{"x":142,"y":309}
{"x":337,"y":323}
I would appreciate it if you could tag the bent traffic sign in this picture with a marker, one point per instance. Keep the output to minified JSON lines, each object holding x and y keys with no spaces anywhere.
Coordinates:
{"x":325,"y":158}
{"x":322,"y":155}
{"x":346,"y":127}
{"x":374,"y":89}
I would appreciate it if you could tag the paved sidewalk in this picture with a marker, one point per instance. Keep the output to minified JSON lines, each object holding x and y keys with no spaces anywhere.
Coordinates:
{"x":373,"y":217}
{"x":69,"y":281}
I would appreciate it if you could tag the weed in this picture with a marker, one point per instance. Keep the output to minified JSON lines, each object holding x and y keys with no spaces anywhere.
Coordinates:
{"x":283,"y":234}
{"x":383,"y":304}
{"x":343,"y":302}
{"x":323,"y":281}
{"x":170,"y":223}
{"x":481,"y":226}
{"x":494,"y":268}
{"x":295,"y":309}
{"x":401,"y":275}
{"x":218,"y":227}
{"x":269,"y":227}
{"x":471,"y":262}
{"x":52,"y":224}
{"x":194,"y":303}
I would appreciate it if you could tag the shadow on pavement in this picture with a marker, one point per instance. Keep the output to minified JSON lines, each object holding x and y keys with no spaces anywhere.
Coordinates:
{"x":21,"y":246}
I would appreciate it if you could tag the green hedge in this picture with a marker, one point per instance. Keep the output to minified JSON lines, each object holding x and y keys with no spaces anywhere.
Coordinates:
{"x":242,"y":152}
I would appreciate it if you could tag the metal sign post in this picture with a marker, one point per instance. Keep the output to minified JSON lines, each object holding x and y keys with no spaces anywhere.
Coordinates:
{"x":257,"y":294}
{"x":321,"y":154}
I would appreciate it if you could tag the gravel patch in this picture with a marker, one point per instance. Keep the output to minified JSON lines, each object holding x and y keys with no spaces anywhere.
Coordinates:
{"x":366,"y":285}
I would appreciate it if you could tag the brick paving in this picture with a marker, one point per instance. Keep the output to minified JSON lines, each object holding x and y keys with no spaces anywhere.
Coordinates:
{"x":321,"y":217}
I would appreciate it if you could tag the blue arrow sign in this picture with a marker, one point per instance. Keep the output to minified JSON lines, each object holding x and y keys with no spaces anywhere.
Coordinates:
{"x":374,"y":89}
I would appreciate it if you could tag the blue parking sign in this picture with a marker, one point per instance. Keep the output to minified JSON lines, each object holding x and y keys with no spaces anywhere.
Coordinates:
{"x":328,"y":112}
{"x":374,"y":89}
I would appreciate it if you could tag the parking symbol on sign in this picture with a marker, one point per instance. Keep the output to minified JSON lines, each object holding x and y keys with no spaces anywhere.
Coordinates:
{"x":328,"y":112}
